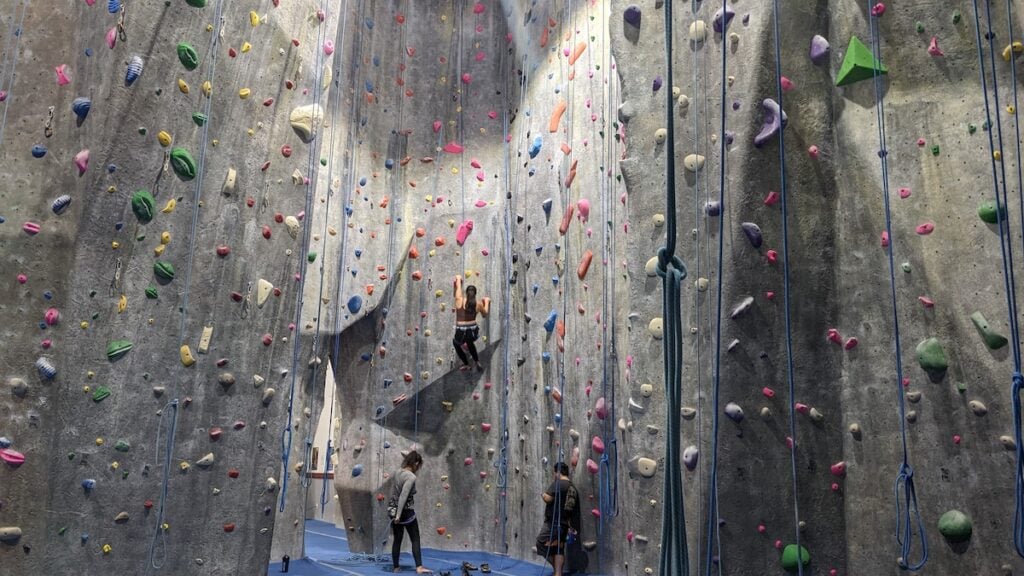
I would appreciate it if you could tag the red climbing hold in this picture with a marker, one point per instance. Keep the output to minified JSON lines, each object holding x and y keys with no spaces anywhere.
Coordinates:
{"x":924,"y":229}
{"x":223,"y":251}
{"x":268,"y":339}
{"x":772,"y":199}
{"x":926,"y":301}
{"x":851,"y":343}
{"x":266,"y":232}
{"x":834,"y":336}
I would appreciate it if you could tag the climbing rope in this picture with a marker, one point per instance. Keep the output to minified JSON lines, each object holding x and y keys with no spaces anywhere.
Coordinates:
{"x":907,"y":511}
{"x":14,"y":35}
{"x":786,"y":296}
{"x":675,"y":558}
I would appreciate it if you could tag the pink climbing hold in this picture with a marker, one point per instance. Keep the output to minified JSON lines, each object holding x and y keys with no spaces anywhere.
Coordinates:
{"x":629,"y":536}
{"x":933,"y":47}
{"x":437,"y":126}
{"x":478,"y":8}
{"x":453,"y":148}
{"x":485,"y":427}
{"x":467,"y":77}
{"x":838,"y":469}
{"x":328,"y":47}
{"x":878,"y":9}
{"x":833,"y":335}
{"x":772,"y":198}
{"x":601,"y":409}
{"x":62,"y":75}
{"x":90,"y":2}
{"x":481,"y":176}
{"x":926,"y":301}
{"x":583,"y":208}
{"x":787,"y":84}
{"x":597,"y":445}
{"x":956,"y":439}
{"x":52,"y":317}
{"x":851,"y":343}
{"x":112,"y":37}
{"x":22,"y":278}
{"x":591,"y":466}
{"x":464,"y":229}
{"x":468,"y":461}
{"x":813,"y":152}
{"x":82,"y":161}
{"x":802,"y":408}
{"x":772,"y":256}
{"x":925,"y":228}
{"x":904,"y":192}
{"x":768,"y":392}
{"x":30,"y":228}
{"x":920,"y":142}
{"x":885,"y":239}
{"x":475,"y":163}
{"x":12,"y":457}
{"x":480,"y":204}
{"x":3,"y":95}
{"x":480,"y":57}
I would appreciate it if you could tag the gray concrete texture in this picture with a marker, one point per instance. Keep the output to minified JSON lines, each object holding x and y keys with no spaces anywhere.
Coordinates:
{"x":385,"y":184}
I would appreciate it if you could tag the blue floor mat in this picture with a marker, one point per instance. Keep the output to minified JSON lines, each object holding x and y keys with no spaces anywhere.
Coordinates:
{"x":327,"y":554}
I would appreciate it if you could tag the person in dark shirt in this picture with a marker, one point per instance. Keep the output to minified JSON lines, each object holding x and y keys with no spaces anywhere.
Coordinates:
{"x":467,"y":331}
{"x":561,"y":514}
{"x":405,"y":519}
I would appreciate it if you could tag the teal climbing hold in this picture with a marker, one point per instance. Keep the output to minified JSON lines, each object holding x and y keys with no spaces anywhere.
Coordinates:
{"x":144,"y":206}
{"x":858,"y":64}
{"x":955,"y":526}
{"x":789,"y":557}
{"x":993,"y":339}
{"x":188,"y":56}
{"x":931,"y":356}
{"x":199,"y":118}
{"x":183,"y":164}
{"x":987,"y":212}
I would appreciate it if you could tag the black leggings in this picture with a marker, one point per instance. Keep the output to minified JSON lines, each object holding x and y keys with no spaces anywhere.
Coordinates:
{"x":466,"y":335}
{"x":397,"y":531}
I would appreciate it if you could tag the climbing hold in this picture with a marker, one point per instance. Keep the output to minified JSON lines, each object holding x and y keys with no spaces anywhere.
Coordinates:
{"x":46,"y":368}
{"x":12,"y":457}
{"x":753,"y":233}
{"x":690,"y":455}
{"x":645,"y":467}
{"x":933,"y":47}
{"x":742,"y":308}
{"x":734,"y":412}
{"x":305,"y":120}
{"x":987,"y":212}
{"x":117,"y":349}
{"x":819,"y":49}
{"x":931,"y":356}
{"x":955,"y":526}
{"x":656,"y":328}
{"x":144,"y":206}
{"x":632,"y":15}
{"x":693,"y":162}
{"x":185,"y":353}
{"x":858,"y":64}
{"x":196,"y":3}
{"x":992,"y":339}
{"x":925,"y":228}
{"x":183,"y":164}
{"x":651,"y":268}
{"x":60,"y":204}
{"x":188,"y":56}
{"x":556,"y":116}
{"x":81,"y":106}
{"x":82,"y":161}
{"x":977,"y":407}
{"x":135,"y":66}
{"x":355,"y":303}
{"x":774,"y":121}
{"x":163,"y":270}
{"x":226,"y":380}
{"x":38,"y":151}
{"x":10,"y":534}
{"x":263,"y":289}
{"x":791,"y":557}
{"x":205,"y":461}
{"x":698,"y":31}
{"x":722,"y":18}
{"x":463,"y":233}
{"x":660,"y":135}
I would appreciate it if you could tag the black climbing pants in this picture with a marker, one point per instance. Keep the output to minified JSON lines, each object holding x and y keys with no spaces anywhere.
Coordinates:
{"x":466,"y":335}
{"x":398,"y":531}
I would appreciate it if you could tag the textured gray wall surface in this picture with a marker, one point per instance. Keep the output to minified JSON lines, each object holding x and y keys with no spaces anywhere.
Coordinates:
{"x":338,"y":154}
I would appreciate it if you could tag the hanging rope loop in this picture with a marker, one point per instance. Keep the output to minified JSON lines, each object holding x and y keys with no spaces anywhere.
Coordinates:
{"x":670,"y":264}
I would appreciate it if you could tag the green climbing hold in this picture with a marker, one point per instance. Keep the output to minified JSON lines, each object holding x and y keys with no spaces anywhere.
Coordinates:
{"x":144,"y":206}
{"x":955,"y":526}
{"x":118,"y":348}
{"x":906,"y":267}
{"x":183,"y":164}
{"x":122,"y":446}
{"x":956,"y":16}
{"x":931,"y":356}
{"x":935,"y":149}
{"x":188,"y":56}
{"x":919,"y":27}
{"x":858,"y":64}
{"x":987,"y":212}
{"x":199,"y":118}
{"x":992,"y":339}
{"x":142,"y":130}
{"x":196,"y":3}
{"x":163,"y":270}
{"x":789,"y":557}
{"x":100,"y":394}
{"x":311,"y":256}
{"x":971,"y":128}
{"x":151,"y":293}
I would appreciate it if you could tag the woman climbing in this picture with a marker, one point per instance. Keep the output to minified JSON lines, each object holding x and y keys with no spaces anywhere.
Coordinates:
{"x":403,"y":516}
{"x":466,"y":329}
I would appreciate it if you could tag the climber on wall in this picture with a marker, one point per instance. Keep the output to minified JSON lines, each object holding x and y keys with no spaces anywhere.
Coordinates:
{"x":466,"y":329}
{"x":402,"y":514}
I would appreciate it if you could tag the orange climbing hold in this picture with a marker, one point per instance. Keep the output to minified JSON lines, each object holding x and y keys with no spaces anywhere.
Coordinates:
{"x":577,"y":52}
{"x":560,"y":327}
{"x":417,"y":275}
{"x":556,"y":117}
{"x":439,"y":241}
{"x":420,"y":232}
{"x":581,"y":270}
{"x":566,"y":149}
{"x":414,"y":252}
{"x":571,"y":177}
{"x":567,"y":218}
{"x":544,"y":38}
{"x":441,"y":530}
{"x":369,"y":289}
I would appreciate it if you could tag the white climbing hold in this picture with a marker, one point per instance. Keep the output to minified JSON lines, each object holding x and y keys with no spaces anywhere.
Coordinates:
{"x":702,"y":284}
{"x":257,"y":380}
{"x":293,"y":226}
{"x":268,"y":395}
{"x":693,"y":162}
{"x":684,"y":103}
{"x":656,"y":328}
{"x":690,"y":455}
{"x":651,"y":268}
{"x":205,"y":461}
{"x":1008,"y":442}
{"x":978,"y":408}
{"x":636,"y":406}
{"x":734,"y":412}
{"x":305,"y":120}
{"x":10,"y":534}
{"x":646,"y":390}
{"x":742,"y":308}
{"x":646,"y":467}
{"x":698,"y":31}
{"x":766,"y":413}
{"x":204,"y":339}
{"x":688,"y":413}
{"x":660,"y":135}
{"x":659,"y":220}
{"x":263,"y":290}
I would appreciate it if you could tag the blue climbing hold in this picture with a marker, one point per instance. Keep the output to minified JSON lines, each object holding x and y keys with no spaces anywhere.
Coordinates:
{"x":60,"y":204}
{"x":88,"y":484}
{"x":348,"y":209}
{"x":38,"y":151}
{"x":365,"y":356}
{"x":535,"y":287}
{"x":558,"y":417}
{"x":81,"y":106}
{"x":549,"y":324}
{"x":545,"y":356}
{"x":554,"y":280}
{"x":362,"y":181}
{"x":113,"y":6}
{"x":135,"y":66}
{"x":5,"y":442}
{"x":538,"y":250}
{"x":546,"y":205}
{"x":369,"y":87}
{"x":369,"y":23}
{"x":535,"y":147}
{"x":358,"y":252}
{"x":357,"y":470}
{"x":355,"y":304}
{"x":389,"y":163}
{"x":387,"y":444}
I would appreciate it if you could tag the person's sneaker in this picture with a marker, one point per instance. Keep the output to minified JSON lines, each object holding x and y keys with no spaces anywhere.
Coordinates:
{"x":485,"y":568}
{"x":468,"y":567}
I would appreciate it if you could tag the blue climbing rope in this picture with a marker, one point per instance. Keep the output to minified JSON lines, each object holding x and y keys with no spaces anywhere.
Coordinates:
{"x":11,"y":56}
{"x":675,"y":558}
{"x":908,"y":514}
{"x":791,"y":380}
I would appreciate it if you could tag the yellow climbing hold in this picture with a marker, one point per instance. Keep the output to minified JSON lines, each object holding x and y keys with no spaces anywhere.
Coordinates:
{"x":438,"y":293}
{"x":244,"y":93}
{"x":184,"y":468}
{"x":254,"y":18}
{"x":115,"y":465}
{"x":246,"y":47}
{"x":159,"y":250}
{"x":111,"y":189}
{"x":169,"y":207}
{"x":164,"y":138}
{"x":83,"y":325}
{"x":1016,"y":48}
{"x":122,"y":303}
{"x":207,"y":88}
{"x":183,"y":86}
{"x":1010,"y":109}
{"x":250,"y":132}
{"x":90,"y":374}
{"x":107,"y":548}
{"x":86,"y":389}
{"x":165,"y":237}
{"x":99,"y":441}
{"x":115,"y":244}
{"x":186,"y":355}
{"x":997,"y":155}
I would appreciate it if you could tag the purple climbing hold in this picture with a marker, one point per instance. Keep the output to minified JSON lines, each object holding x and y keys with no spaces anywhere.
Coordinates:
{"x":721,"y":21}
{"x":632,"y":15}
{"x":656,"y":85}
{"x":753,"y":232}
{"x":819,"y":49}
{"x":734,"y":412}
{"x":774,"y":121}
{"x":713,"y":208}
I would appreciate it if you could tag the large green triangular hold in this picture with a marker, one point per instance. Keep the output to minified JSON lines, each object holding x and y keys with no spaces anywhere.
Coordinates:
{"x":858,"y":64}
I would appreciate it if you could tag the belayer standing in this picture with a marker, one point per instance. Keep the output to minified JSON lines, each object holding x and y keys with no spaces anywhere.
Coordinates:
{"x":402,"y":514}
{"x":466,"y":329}
{"x":561,"y":518}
